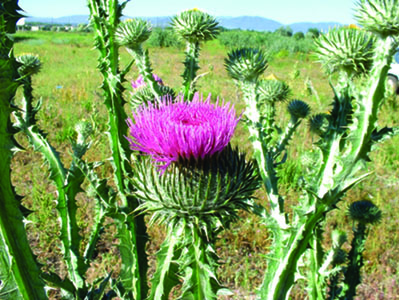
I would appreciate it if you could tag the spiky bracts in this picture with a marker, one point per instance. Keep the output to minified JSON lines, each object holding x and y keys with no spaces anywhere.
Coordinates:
{"x":246,"y":64}
{"x":195,"y":26}
{"x":379,"y":16}
{"x":346,"y":49}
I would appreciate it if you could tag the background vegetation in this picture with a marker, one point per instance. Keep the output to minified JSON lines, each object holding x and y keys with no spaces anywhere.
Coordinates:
{"x":69,"y":86}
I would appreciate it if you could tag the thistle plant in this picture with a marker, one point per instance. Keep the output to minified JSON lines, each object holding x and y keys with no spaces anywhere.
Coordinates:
{"x":195,"y":184}
{"x":347,"y":134}
{"x":194,"y":27}
{"x":173,"y":160}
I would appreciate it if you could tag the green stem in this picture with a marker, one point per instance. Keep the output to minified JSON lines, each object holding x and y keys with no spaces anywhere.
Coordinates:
{"x":264,"y":156}
{"x":191,"y":67}
{"x":352,"y":273}
{"x":198,"y":265}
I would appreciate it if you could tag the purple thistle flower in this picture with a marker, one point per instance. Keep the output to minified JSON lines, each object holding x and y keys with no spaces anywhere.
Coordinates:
{"x":170,"y":130}
{"x":140,"y":81}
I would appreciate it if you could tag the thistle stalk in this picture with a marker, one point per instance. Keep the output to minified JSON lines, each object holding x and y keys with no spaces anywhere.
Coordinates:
{"x":105,"y":17}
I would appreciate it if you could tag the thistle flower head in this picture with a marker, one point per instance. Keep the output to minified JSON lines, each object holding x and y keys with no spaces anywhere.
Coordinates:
{"x":365,"y":211}
{"x":195,"y":26}
{"x":246,"y":64}
{"x":273,"y":90}
{"x":30,"y":64}
{"x":379,"y":16}
{"x":298,"y":109}
{"x":169,"y":131}
{"x":345,"y":49}
{"x":132,"y":33}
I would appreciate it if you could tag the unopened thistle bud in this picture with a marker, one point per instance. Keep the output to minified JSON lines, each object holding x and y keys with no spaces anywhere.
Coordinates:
{"x":273,"y":90}
{"x":298,"y":109}
{"x":195,"y":26}
{"x":318,"y":123}
{"x":132,"y":33}
{"x":84,"y":130}
{"x":246,"y":64}
{"x":30,"y":64}
{"x":365,"y":212}
{"x":345,"y":49}
{"x":379,"y":16}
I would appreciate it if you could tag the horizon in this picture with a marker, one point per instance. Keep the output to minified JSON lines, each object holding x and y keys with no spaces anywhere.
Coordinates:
{"x":312,"y":11}
{"x":170,"y":16}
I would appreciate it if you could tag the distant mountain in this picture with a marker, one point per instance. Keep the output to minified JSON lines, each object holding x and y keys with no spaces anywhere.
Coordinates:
{"x":304,"y":26}
{"x":249,"y":23}
{"x":244,"y":22}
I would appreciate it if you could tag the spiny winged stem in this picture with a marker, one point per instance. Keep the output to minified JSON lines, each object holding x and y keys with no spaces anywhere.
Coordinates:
{"x":18,"y":256}
{"x":245,"y":66}
{"x":67,"y":181}
{"x":191,"y":67}
{"x":105,"y":18}
{"x":364,"y":213}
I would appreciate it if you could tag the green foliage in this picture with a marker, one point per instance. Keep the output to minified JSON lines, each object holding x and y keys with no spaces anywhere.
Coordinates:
{"x":164,"y":37}
{"x":284,"y":31}
{"x":270,"y":42}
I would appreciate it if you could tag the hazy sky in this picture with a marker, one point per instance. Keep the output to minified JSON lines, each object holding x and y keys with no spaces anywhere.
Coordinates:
{"x":284,"y":11}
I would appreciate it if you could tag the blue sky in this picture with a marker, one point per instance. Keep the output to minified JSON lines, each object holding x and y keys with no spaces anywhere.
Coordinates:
{"x":284,"y":11}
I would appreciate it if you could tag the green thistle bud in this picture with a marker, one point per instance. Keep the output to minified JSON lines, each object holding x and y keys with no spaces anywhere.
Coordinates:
{"x":30,"y":64}
{"x":379,"y":16}
{"x":318,"y":123}
{"x":195,"y":26}
{"x":246,"y":64}
{"x":298,"y":109}
{"x":345,"y":49}
{"x":197,"y":189}
{"x":273,"y":90}
{"x":84,"y":130}
{"x":132,"y":33}
{"x":365,"y":212}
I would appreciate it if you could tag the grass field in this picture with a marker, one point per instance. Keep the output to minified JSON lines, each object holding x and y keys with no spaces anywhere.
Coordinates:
{"x":69,"y":86}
